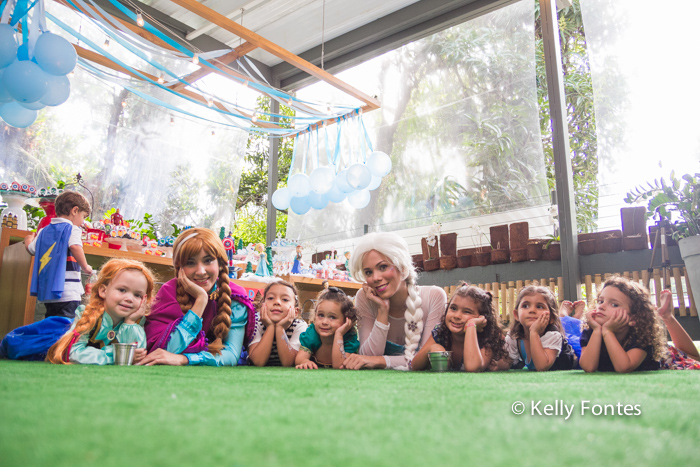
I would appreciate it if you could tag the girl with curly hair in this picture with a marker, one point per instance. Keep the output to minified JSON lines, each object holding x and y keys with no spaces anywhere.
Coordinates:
{"x":536,"y":338}
{"x":331,"y":339}
{"x":118,"y":301}
{"x":470,"y":329}
{"x":623,"y":333}
{"x":199,"y":317}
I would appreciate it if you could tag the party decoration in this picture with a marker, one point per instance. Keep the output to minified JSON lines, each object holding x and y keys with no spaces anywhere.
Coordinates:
{"x":341,"y":182}
{"x":379,"y":163}
{"x":300,"y":205}
{"x":359,"y":199}
{"x":335,"y":195}
{"x":281,"y":199}
{"x":25,"y":81}
{"x":374,"y":184}
{"x":17,"y":116}
{"x":318,"y":201}
{"x":359,"y":176}
{"x":321,"y":179}
{"x":55,"y":55}
{"x":59,"y":91}
{"x":8,"y":45}
{"x":32,"y":105}
{"x":298,"y":185}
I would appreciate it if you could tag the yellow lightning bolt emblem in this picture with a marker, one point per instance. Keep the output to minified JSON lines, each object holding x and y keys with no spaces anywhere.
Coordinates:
{"x":46,"y":257}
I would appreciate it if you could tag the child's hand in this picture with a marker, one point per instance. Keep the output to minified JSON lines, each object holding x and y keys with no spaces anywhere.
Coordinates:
{"x":479,"y":322}
{"x":136,"y":316}
{"x":665,"y":310}
{"x":307,"y":365}
{"x":618,"y":320}
{"x":436,"y":348}
{"x":265,"y":317}
{"x":590,"y":319}
{"x":344,"y":328}
{"x":371,"y":294}
{"x":190,"y":287}
{"x":139,"y":354}
{"x":289,"y":318}
{"x":540,"y":324}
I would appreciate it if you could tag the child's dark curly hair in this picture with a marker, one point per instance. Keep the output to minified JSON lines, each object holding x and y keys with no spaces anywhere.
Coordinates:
{"x":646,"y":330}
{"x":517,"y":331}
{"x":334,"y":294}
{"x":491,"y":337}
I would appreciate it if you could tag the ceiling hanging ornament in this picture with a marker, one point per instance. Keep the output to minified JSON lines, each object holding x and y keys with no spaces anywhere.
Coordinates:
{"x":34,"y":63}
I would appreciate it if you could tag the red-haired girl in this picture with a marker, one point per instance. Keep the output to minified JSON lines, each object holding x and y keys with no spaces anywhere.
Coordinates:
{"x":118,"y":301}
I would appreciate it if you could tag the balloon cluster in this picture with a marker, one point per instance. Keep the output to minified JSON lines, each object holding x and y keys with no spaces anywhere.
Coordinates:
{"x":28,"y":84}
{"x":324,"y":186}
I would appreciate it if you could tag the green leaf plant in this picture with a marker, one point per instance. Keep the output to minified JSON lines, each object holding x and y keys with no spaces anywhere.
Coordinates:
{"x":680,"y":197}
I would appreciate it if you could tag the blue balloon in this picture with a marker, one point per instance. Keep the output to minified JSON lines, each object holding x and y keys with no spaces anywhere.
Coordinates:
{"x":281,"y":198}
{"x":359,"y":199}
{"x":23,"y":52}
{"x":17,"y":116}
{"x":32,"y":105}
{"x":335,"y":195}
{"x":54,"y":54}
{"x":25,"y":81}
{"x":8,"y":45}
{"x":318,"y":201}
{"x":379,"y":163}
{"x":300,"y":205}
{"x":322,"y":179}
{"x":341,"y":181}
{"x":58,"y":92}
{"x":359,"y":176}
{"x":298,"y":185}
{"x":4,"y":95}
{"x":374,"y":184}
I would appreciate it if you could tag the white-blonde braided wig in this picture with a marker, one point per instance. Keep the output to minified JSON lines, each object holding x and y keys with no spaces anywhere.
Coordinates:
{"x":395,"y":249}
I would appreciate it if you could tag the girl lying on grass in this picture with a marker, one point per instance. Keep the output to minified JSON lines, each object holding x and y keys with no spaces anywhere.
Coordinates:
{"x":199,"y":317}
{"x":277,"y":328}
{"x":331,"y":338}
{"x":623,"y":334}
{"x":536,"y":339}
{"x":469,"y":329}
{"x":118,"y":301}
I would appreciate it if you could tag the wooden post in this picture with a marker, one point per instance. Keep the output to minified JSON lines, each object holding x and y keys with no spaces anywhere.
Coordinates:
{"x":589,"y":289}
{"x":504,"y":300}
{"x":657,"y":286}
{"x":635,"y":276}
{"x":693,"y":305}
{"x":679,"y":291}
{"x":598,"y":284}
{"x":511,"y":296}
{"x":645,"y":279}
{"x":560,"y":289}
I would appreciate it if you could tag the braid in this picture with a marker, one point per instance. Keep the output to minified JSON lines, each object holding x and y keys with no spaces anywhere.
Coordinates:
{"x":183,"y":298}
{"x":87,"y":321}
{"x":414,"y":317}
{"x":221,"y":324}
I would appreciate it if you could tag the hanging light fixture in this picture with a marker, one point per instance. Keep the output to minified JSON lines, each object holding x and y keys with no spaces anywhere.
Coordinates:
{"x":139,"y":18}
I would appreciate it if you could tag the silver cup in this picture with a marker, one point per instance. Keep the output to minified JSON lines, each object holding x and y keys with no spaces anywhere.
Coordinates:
{"x":439,"y":361}
{"x":124,"y":353}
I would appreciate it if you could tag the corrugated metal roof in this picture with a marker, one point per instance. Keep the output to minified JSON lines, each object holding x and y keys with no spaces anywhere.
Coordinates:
{"x":296,"y":25}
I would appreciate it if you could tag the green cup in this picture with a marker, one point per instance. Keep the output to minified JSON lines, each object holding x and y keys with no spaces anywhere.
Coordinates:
{"x":439,"y":361}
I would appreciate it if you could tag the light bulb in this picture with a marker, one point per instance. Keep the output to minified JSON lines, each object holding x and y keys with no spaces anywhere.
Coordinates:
{"x":213,"y":133}
{"x":290,"y":102}
{"x":172,"y":120}
{"x":161,"y":80}
{"x":255,"y":118}
{"x":245,"y":84}
{"x":107,"y":42}
{"x":123,"y":103}
{"x":210,"y":102}
{"x":139,"y":19}
{"x":195,"y":59}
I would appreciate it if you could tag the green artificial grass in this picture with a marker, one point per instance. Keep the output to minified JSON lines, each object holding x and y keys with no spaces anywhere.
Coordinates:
{"x":126,"y":416}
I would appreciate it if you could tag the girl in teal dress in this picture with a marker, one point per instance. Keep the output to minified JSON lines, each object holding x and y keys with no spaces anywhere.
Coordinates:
{"x":118,"y":301}
{"x":329,"y":340}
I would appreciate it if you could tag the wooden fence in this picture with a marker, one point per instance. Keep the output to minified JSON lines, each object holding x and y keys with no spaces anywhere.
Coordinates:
{"x":505,"y":293}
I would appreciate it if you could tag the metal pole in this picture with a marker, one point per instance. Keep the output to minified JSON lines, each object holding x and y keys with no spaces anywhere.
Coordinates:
{"x":272,"y":178}
{"x":562,"y":159}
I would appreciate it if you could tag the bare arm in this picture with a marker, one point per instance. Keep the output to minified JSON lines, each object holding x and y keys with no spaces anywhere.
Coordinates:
{"x":475,"y":359}
{"x":541,"y":357}
{"x":623,"y":361}
{"x":421,"y":360}
{"x":303,"y":361}
{"x":79,"y":255}
{"x":259,"y":352}
{"x":286,"y":352}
